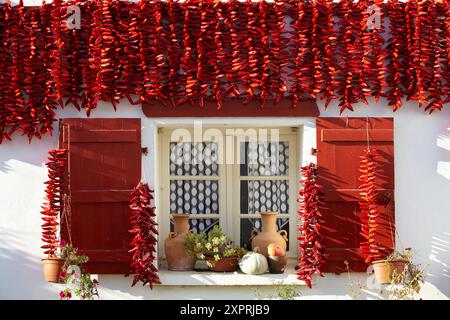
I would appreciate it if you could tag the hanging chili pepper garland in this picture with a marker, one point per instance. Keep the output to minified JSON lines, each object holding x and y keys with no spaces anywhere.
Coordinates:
{"x":301,"y":82}
{"x":329,"y":70}
{"x":311,"y":251}
{"x":444,"y":17}
{"x":3,"y":111}
{"x":369,"y":211}
{"x":53,"y":204}
{"x":253,"y":51}
{"x":345,"y":80}
{"x":144,"y":230}
{"x":329,"y":50}
{"x":395,"y":67}
{"x":435,"y":97}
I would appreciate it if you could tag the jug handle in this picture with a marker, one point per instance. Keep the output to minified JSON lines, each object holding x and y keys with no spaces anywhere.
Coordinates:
{"x":284,"y":234}
{"x":172,"y":235}
{"x":253,"y":234}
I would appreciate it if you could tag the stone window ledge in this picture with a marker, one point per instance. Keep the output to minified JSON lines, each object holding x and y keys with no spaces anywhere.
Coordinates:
{"x":209,"y":278}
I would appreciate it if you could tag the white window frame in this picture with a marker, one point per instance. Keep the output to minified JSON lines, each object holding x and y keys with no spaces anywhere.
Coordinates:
{"x":229,"y":203}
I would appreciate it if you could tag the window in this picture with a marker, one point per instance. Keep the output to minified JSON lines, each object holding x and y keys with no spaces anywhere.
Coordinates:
{"x":226,"y":177}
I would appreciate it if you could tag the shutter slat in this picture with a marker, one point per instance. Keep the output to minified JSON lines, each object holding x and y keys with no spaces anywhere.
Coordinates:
{"x":357,"y":135}
{"x":347,"y":195}
{"x":115,"y":136}
{"x":101,"y":196}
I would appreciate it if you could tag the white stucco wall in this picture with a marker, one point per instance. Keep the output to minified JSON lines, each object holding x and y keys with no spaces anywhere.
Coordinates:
{"x":422,"y":177}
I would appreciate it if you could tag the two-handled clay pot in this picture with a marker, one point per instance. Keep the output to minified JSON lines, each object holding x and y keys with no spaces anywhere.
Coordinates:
{"x":269,"y":234}
{"x":176,"y":257}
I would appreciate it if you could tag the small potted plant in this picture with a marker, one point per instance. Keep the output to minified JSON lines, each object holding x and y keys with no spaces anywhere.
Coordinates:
{"x":75,"y":276}
{"x":399,"y":269}
{"x":216,"y":249}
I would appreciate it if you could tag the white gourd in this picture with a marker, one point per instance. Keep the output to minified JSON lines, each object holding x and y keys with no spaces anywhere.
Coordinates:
{"x":253,"y":263}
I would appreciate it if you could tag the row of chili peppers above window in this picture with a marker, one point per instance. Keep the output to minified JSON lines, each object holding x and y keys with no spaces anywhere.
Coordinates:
{"x":171,"y":52}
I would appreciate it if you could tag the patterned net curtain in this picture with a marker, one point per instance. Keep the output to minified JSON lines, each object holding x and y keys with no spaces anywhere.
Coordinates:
{"x":194,"y":182}
{"x":269,"y":161}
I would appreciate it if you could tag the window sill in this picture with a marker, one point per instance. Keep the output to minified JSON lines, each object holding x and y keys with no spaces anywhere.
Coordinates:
{"x":237,"y":278}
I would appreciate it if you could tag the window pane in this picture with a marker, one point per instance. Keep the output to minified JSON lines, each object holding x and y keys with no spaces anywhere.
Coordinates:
{"x":264,"y":158}
{"x":198,"y":225}
{"x":194,"y":159}
{"x":247,"y":225}
{"x":266,"y":195}
{"x":194,"y":196}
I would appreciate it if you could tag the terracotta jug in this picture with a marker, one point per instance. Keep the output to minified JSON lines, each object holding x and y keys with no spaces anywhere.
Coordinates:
{"x":177,"y":259}
{"x":268,"y":234}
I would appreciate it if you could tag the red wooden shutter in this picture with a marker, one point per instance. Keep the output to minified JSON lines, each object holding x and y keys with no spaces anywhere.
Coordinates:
{"x":104,"y":167}
{"x":340,"y":143}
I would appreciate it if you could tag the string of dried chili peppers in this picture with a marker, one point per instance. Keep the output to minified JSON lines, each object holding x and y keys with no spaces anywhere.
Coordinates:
{"x":330,"y":69}
{"x":368,"y":205}
{"x":3,"y":77}
{"x":444,"y":17}
{"x":311,"y":251}
{"x":301,"y":37}
{"x":53,"y":204}
{"x":145,"y":231}
{"x":210,"y":50}
{"x":434,"y":99}
{"x":160,"y":47}
{"x":394,"y":68}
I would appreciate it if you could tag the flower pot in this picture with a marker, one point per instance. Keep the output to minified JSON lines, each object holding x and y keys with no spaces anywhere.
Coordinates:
{"x":52,"y":268}
{"x":223,"y":264}
{"x":268,"y":234}
{"x":385,"y":269}
{"x":177,"y":259}
{"x":277,"y":264}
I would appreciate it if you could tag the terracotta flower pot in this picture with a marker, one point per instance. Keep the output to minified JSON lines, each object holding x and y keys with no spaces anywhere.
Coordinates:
{"x":268,"y":234}
{"x":277,"y":264}
{"x":52,"y":268}
{"x":223,"y":264}
{"x":385,"y":269}
{"x":177,"y":259}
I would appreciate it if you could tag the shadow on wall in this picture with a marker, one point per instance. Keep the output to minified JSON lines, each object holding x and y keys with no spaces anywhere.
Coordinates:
{"x":20,"y":150}
{"x":439,"y":268}
{"x":20,"y":270}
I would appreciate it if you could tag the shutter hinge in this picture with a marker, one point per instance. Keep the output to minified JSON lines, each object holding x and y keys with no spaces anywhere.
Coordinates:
{"x":144,"y":151}
{"x":314,"y":151}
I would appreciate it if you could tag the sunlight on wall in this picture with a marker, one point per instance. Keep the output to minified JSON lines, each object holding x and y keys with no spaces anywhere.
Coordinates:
{"x":443,"y":167}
